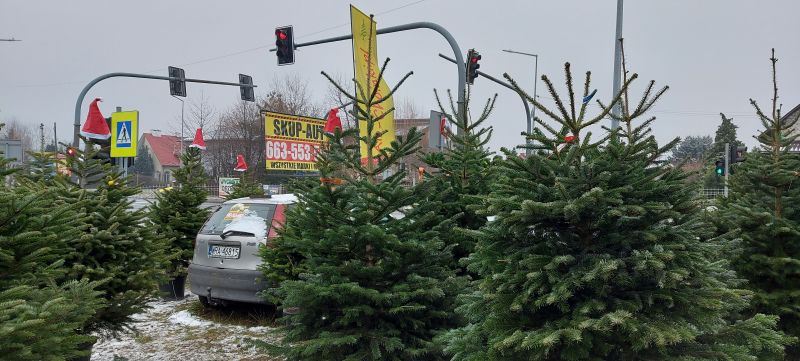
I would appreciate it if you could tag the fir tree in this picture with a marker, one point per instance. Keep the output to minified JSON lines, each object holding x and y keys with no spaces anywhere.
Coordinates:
{"x":595,"y":254}
{"x":763,"y":204}
{"x":463,"y":175}
{"x":376,"y":274}
{"x":176,"y":213}
{"x":118,"y":247}
{"x":247,"y":187}
{"x":41,"y":311}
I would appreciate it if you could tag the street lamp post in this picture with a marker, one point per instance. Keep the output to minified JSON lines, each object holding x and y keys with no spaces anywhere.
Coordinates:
{"x":533,"y":108}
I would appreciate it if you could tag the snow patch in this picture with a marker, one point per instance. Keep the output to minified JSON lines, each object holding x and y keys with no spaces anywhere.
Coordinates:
{"x":249,"y":223}
{"x":185,"y":318}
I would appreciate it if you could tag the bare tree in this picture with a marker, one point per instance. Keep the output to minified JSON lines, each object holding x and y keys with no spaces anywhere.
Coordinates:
{"x":290,"y":95}
{"x":337,"y":99}
{"x":14,"y":129}
{"x":201,"y":113}
{"x":407,"y":109}
{"x":238,"y":131}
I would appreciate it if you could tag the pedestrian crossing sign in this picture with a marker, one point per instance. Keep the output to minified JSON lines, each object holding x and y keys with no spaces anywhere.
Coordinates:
{"x":124,"y":132}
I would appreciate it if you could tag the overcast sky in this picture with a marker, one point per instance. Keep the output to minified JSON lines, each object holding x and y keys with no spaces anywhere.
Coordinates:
{"x":712,"y":53}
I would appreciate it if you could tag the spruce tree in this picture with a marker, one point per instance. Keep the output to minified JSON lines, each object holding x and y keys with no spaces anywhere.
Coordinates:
{"x":726,"y":133}
{"x":144,"y":162}
{"x":376,"y":273}
{"x":118,"y":248}
{"x":763,"y":205}
{"x":176,"y":213}
{"x":595,"y":254}
{"x":41,"y":310}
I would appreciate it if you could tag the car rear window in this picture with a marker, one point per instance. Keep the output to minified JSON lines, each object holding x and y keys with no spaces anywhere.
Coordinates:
{"x":228,"y":212}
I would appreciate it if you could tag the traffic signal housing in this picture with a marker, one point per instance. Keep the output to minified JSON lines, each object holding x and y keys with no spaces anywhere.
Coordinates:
{"x":473,"y":57}
{"x":720,"y":167}
{"x":246,"y":91}
{"x":177,"y":87}
{"x":284,"y":44}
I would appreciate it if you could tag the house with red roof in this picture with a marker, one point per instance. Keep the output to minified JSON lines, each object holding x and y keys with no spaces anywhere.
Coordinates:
{"x":165,"y":152}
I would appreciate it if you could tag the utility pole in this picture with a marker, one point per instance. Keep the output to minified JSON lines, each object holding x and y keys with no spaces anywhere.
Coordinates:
{"x":55,"y":138}
{"x":617,"y":109}
{"x":727,"y":166}
{"x":12,"y":39}
{"x":41,"y":137}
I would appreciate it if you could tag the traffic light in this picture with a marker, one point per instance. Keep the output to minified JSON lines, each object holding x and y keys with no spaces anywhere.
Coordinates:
{"x":177,"y":87}
{"x":246,"y":91}
{"x":472,"y":65}
{"x":720,"y":167}
{"x":737,"y":154}
{"x":284,"y":42}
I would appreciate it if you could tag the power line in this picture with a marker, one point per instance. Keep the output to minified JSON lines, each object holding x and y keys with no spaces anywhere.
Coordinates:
{"x":230,"y":54}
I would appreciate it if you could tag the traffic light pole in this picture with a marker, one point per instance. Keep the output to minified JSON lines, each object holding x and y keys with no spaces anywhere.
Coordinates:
{"x":727,"y":166}
{"x":79,"y":103}
{"x":524,"y":101}
{"x":462,"y":68}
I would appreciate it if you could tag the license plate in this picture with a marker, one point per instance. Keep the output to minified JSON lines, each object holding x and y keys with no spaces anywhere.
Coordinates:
{"x":217,"y":251}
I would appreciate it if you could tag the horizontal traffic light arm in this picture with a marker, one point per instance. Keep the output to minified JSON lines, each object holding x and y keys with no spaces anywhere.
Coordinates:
{"x":462,"y":68}
{"x":507,"y":85}
{"x":89,"y":86}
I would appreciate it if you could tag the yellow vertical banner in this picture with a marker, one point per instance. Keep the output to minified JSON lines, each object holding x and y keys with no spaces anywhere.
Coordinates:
{"x":365,"y":60}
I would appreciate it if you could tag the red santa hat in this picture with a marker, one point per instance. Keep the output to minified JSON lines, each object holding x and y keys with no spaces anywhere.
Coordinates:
{"x":241,"y":165}
{"x":333,"y":121}
{"x":95,"y":126}
{"x":198,"y":142}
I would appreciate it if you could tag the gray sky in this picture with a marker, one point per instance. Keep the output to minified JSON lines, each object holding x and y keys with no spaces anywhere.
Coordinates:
{"x":712,"y":53}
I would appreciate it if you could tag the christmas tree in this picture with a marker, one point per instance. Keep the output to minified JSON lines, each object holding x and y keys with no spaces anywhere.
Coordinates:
{"x":247,"y":187}
{"x":463,"y":175}
{"x":595,"y":254}
{"x":762,"y":205}
{"x":41,"y":311}
{"x":375,"y":273}
{"x":118,"y":248}
{"x":176,"y":213}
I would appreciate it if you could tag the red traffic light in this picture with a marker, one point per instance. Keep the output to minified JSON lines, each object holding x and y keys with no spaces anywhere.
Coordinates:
{"x":281,"y":35}
{"x":475,"y":59}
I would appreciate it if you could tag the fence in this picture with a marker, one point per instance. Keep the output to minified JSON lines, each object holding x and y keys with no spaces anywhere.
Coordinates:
{"x":712,"y":192}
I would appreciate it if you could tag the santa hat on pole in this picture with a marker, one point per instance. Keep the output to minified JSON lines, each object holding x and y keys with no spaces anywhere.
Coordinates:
{"x":333,"y":121}
{"x":198,"y":142}
{"x":95,"y":126}
{"x":241,"y":165}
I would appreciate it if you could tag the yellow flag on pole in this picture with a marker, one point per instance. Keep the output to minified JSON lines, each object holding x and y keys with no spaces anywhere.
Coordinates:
{"x":365,"y":60}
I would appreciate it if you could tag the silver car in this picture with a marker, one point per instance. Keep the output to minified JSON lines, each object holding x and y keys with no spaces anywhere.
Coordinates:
{"x":225,"y":263}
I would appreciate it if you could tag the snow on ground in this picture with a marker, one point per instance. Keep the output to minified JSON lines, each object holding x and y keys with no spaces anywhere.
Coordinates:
{"x":169,"y":331}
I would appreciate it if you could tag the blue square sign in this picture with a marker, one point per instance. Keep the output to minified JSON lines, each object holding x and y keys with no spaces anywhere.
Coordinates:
{"x":124,"y":134}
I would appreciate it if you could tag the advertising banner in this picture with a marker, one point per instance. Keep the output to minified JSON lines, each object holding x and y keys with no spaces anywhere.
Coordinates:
{"x":226,"y":185}
{"x":365,"y":60}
